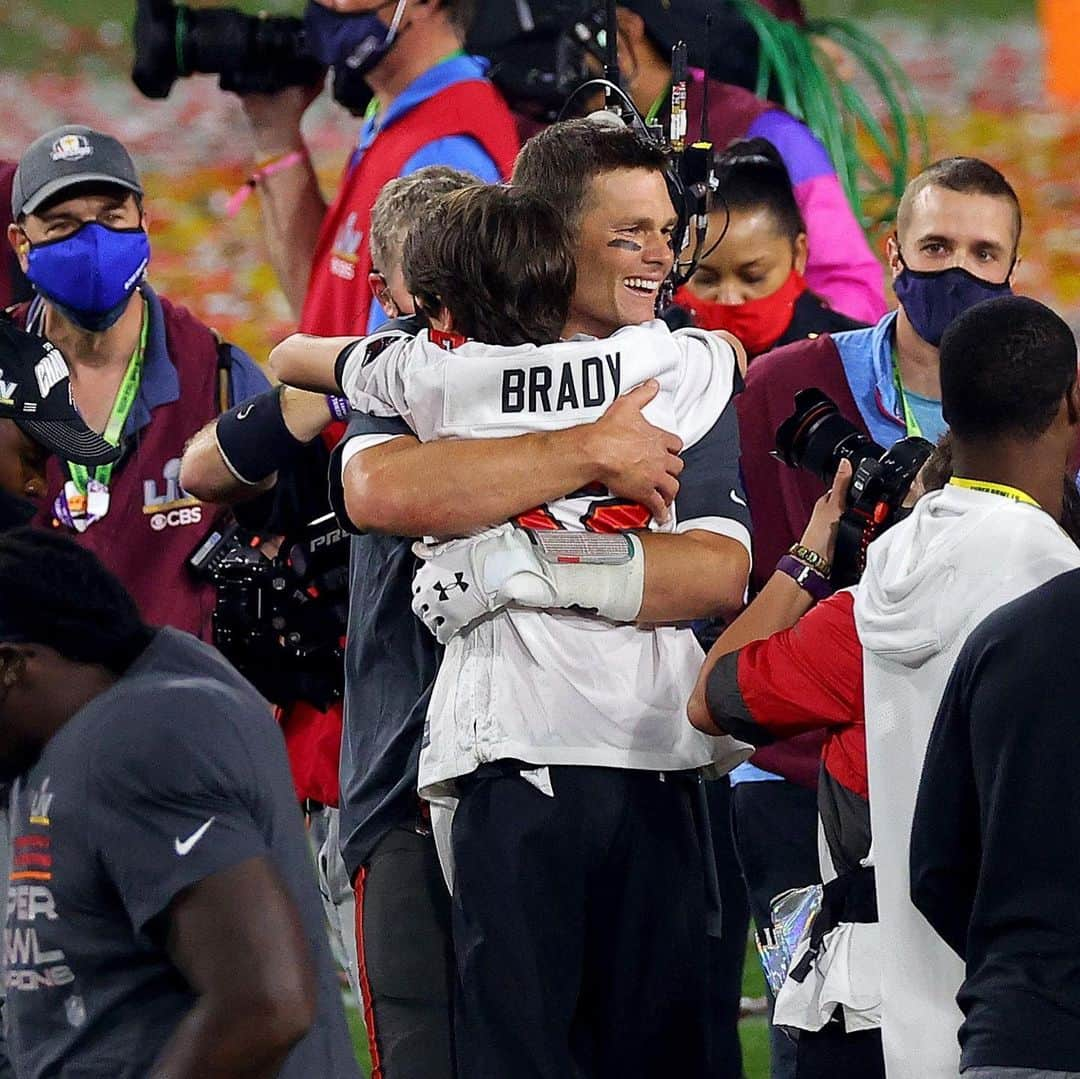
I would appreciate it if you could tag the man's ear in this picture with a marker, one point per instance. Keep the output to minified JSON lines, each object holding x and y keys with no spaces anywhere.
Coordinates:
{"x":1015,"y":266}
{"x":20,"y":245}
{"x":892,"y":253}
{"x":1072,"y":403}
{"x":12,"y":666}
{"x":381,"y":291}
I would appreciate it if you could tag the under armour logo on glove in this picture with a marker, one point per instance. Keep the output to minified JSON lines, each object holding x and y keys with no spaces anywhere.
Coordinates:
{"x":443,"y":590}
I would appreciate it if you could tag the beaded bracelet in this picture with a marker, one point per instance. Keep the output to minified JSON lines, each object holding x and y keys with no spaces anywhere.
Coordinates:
{"x":810,"y":558}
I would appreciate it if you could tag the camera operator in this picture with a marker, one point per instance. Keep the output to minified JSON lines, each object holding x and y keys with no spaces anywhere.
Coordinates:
{"x":1008,"y":382}
{"x":956,"y":242}
{"x":144,"y":372}
{"x":432,"y":106}
{"x":841,"y":267}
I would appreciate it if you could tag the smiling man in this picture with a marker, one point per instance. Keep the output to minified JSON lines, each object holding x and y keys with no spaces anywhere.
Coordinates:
{"x":611,"y":189}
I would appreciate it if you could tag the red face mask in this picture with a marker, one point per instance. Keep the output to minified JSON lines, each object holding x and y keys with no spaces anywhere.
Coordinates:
{"x":758,"y":324}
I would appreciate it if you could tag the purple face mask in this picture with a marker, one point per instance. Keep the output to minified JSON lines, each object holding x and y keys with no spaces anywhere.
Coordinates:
{"x":931,"y":299}
{"x":357,"y":40}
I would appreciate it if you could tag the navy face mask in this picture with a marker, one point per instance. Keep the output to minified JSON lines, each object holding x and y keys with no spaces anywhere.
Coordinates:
{"x":357,"y":41}
{"x":933,"y":298}
{"x":90,"y":275}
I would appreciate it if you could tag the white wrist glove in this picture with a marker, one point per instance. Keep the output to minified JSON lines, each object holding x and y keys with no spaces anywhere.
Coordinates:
{"x":463,"y":580}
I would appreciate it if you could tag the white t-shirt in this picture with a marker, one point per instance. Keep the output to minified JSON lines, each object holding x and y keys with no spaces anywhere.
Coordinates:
{"x":929,"y":581}
{"x":561,"y":687}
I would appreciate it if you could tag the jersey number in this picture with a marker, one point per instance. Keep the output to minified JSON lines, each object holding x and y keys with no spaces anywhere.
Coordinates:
{"x":604,"y":515}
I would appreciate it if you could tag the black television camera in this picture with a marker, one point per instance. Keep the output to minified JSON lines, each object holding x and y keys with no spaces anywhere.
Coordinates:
{"x":251,"y":54}
{"x":816,"y":437}
{"x":281,"y":621}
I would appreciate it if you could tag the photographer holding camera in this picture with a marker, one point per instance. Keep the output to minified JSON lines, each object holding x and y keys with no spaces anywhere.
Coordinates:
{"x":145,"y":373}
{"x":432,"y":106}
{"x":1008,"y":379}
{"x":958,"y":228}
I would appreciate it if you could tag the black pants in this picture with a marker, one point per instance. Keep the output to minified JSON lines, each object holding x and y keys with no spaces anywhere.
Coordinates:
{"x":831,"y":1053}
{"x":579,"y":926}
{"x":775,"y":828}
{"x":406,"y":959}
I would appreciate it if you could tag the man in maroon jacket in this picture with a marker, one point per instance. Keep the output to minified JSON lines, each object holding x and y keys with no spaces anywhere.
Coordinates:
{"x":145,"y":373}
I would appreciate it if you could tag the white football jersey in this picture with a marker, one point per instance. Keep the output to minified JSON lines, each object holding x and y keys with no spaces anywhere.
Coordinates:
{"x":562,"y":687}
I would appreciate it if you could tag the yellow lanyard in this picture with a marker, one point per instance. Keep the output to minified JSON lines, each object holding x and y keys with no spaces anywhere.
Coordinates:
{"x":1013,"y":493}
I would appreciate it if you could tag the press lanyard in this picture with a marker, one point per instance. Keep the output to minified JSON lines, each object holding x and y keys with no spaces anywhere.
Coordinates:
{"x":910,"y":422}
{"x":1014,"y":494}
{"x":125,"y":398}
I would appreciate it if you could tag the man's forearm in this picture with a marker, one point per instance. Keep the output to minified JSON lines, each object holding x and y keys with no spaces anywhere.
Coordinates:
{"x":239,"y":1040}
{"x":204,"y":472}
{"x":695,"y":574}
{"x":292,"y":212}
{"x":778,"y":606}
{"x":452,"y":488}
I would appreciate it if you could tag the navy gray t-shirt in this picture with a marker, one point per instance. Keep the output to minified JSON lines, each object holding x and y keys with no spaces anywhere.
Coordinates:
{"x":994,"y":840}
{"x":175,"y":773}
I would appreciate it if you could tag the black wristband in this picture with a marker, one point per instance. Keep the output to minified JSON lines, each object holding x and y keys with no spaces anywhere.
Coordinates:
{"x":342,"y":359}
{"x":253,"y":438}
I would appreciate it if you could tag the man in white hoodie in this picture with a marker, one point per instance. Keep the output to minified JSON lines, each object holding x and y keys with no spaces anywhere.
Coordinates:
{"x":1009,"y":394}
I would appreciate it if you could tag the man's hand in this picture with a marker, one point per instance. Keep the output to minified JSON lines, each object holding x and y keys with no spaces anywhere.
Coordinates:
{"x":820,"y":534}
{"x":632,"y":458}
{"x":465,"y":579}
{"x":275,"y":118}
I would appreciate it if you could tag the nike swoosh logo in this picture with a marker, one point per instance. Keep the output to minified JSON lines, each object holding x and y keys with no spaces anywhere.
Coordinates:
{"x":183,"y":846}
{"x":245,"y":412}
{"x":736,"y":498}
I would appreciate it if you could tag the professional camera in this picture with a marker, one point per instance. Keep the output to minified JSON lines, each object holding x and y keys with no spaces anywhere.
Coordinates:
{"x":281,"y":621}
{"x":817,"y":437}
{"x":251,"y":54}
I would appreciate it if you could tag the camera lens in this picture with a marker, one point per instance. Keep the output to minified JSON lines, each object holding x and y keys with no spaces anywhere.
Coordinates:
{"x":817,"y":437}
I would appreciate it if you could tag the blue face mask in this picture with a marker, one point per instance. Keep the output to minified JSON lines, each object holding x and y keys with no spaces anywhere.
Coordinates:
{"x":932,"y":299}
{"x":90,"y":275}
{"x":358,"y":41}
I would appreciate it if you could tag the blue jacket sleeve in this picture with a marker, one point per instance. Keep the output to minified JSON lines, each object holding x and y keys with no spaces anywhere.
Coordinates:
{"x":459,"y":152}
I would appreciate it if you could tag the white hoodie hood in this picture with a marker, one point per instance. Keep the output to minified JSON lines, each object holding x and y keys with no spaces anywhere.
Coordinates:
{"x":929,"y":581}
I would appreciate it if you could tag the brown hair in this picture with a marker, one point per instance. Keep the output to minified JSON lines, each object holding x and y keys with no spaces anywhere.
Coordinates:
{"x":497,"y":260}
{"x":561,"y":161}
{"x":968,"y":176}
{"x":460,"y":13}
{"x":399,"y":204}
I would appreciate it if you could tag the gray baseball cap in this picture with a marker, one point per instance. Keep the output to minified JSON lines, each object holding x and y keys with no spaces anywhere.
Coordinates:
{"x":67,"y":156}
